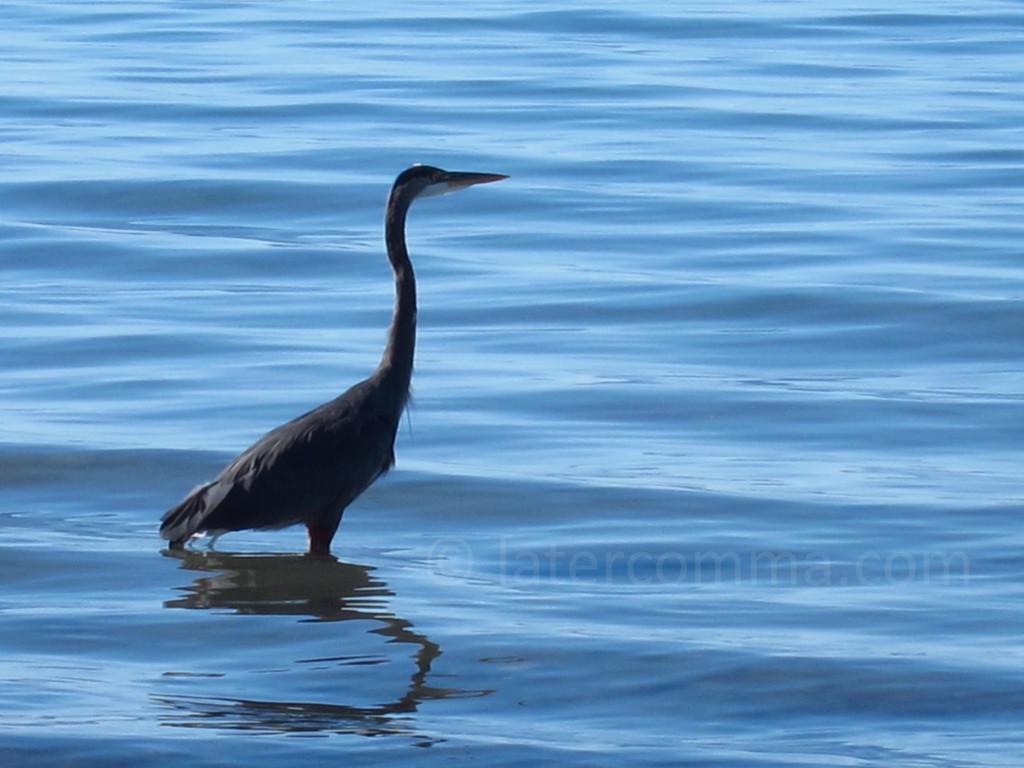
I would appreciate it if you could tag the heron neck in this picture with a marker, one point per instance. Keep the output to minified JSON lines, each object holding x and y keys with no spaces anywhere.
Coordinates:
{"x":398,"y":354}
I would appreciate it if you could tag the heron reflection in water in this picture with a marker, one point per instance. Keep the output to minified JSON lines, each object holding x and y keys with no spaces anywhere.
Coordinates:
{"x":310,"y":469}
{"x":320,"y":589}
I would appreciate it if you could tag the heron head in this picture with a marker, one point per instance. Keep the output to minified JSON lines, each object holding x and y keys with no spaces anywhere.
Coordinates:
{"x":428,"y":181}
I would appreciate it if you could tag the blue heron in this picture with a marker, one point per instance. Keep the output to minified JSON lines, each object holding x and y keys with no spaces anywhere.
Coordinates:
{"x":310,"y":469}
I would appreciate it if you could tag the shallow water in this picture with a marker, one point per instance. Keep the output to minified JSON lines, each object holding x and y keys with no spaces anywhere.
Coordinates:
{"x":713,"y":455}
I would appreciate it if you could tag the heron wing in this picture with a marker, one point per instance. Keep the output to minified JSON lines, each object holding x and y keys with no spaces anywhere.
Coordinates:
{"x":312,"y":466}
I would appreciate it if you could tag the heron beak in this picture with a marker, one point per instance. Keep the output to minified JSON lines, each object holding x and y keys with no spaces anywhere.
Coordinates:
{"x":453,"y":181}
{"x":461,"y":179}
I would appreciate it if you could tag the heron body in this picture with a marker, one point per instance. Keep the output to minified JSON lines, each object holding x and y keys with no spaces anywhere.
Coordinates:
{"x":311,"y":468}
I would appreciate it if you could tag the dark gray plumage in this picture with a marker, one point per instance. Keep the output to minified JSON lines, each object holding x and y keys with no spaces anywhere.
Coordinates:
{"x":310,"y":469}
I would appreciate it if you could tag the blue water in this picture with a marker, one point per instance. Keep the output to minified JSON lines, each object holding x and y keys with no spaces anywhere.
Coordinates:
{"x":714,"y":453}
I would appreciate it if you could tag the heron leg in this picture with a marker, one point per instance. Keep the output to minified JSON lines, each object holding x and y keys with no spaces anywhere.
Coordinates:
{"x":321,"y":532}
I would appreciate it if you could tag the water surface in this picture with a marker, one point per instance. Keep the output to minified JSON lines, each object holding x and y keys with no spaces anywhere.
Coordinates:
{"x":713,"y":456}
